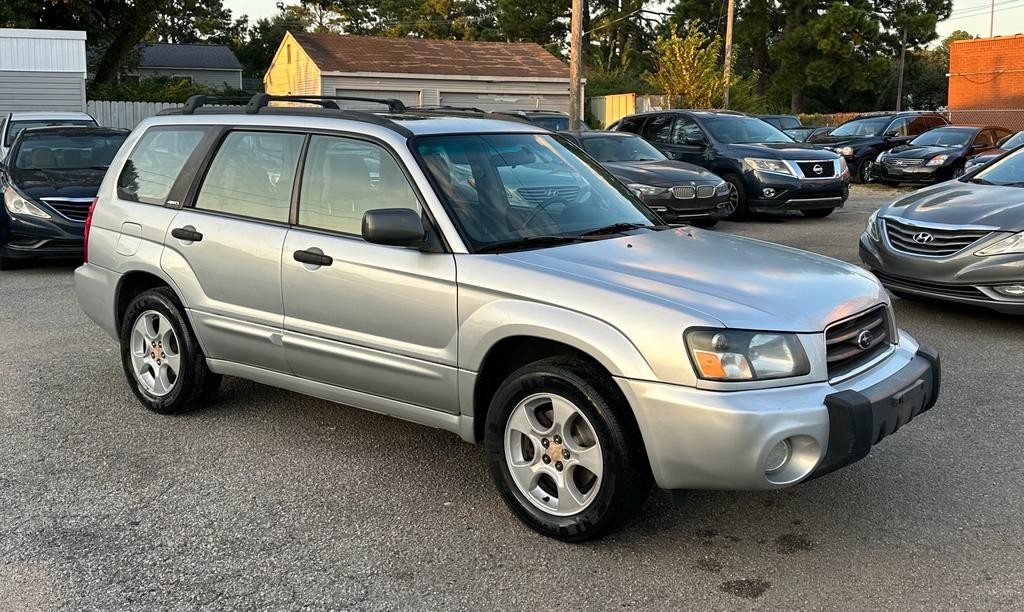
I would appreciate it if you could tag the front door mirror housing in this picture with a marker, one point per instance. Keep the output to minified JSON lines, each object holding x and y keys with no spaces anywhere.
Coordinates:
{"x":694,"y":140}
{"x":394,"y":227}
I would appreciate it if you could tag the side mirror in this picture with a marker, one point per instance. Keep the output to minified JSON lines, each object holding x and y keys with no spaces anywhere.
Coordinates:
{"x":694,"y":140}
{"x":393,"y":227}
{"x":978,"y":146}
{"x":892,"y":134}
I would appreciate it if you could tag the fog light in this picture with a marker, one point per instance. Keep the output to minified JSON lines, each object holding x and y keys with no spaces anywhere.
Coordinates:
{"x":1016,"y":291}
{"x":768,"y":192}
{"x":778,"y":457}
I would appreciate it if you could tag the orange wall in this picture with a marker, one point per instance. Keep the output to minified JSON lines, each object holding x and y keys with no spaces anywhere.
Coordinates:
{"x":987,"y":73}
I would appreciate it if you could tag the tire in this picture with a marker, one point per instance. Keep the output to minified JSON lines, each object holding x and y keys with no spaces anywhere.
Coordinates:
{"x":706,"y":223}
{"x":737,"y":198}
{"x":602,"y":420}
{"x":958,"y":171}
{"x":192,"y":383}
{"x":817,"y":213}
{"x":863,"y":169}
{"x":7,"y":263}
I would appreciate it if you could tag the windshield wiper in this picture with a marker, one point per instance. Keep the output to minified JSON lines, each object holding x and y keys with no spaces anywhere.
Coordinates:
{"x":981,"y":181}
{"x":615,"y":228}
{"x":528,"y":241}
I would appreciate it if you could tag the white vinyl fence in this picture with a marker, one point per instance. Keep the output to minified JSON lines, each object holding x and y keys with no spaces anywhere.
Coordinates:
{"x":109,"y":113}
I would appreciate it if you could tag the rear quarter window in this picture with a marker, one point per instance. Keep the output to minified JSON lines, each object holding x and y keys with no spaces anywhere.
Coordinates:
{"x":155,"y":163}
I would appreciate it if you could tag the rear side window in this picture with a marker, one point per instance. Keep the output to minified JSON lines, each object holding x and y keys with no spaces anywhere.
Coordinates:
{"x":252,"y":175}
{"x":154,"y":164}
{"x":343,"y":178}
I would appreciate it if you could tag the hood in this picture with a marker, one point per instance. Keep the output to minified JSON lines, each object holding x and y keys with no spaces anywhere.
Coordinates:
{"x":780,"y":150}
{"x":844,"y":141}
{"x":922,"y":152}
{"x":661,"y":173}
{"x":741,"y":282}
{"x":39,"y":184}
{"x":959,"y":203}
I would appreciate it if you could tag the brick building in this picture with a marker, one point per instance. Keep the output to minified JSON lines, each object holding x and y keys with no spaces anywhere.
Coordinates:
{"x":986,"y":76}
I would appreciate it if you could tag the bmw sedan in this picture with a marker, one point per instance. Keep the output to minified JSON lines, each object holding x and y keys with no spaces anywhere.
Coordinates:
{"x":959,"y":241}
{"x":937,"y":155}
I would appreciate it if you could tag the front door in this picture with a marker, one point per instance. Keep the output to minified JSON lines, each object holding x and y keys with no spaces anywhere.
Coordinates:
{"x":224,"y":251}
{"x":376,"y":319}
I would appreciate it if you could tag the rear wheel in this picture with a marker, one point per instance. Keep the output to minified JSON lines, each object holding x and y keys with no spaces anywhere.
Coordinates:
{"x":736,"y":209}
{"x":817,"y":213}
{"x":162,"y":360}
{"x":564,"y":450}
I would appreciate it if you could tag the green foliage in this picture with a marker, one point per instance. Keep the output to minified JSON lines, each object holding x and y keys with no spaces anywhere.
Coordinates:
{"x":158,"y":89}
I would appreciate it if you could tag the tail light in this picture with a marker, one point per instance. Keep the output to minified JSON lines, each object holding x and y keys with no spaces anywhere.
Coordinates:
{"x":88,"y":226}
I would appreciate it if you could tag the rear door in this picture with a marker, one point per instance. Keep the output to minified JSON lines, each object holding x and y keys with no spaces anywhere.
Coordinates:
{"x":224,"y":247}
{"x":376,"y":319}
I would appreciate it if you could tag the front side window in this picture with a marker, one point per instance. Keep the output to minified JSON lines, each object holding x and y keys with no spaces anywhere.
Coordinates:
{"x":503,"y":188}
{"x":343,"y":178}
{"x":620,"y":149}
{"x":686,"y":129}
{"x":66,"y":152}
{"x":658,"y":128}
{"x":16,"y":127}
{"x":154,"y":164}
{"x":737,"y":129}
{"x":899,"y":127}
{"x":630,"y":124}
{"x":252,"y":175}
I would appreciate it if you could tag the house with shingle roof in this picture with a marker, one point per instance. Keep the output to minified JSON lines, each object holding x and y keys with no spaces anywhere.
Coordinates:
{"x":484,"y":75}
{"x":213,"y":65}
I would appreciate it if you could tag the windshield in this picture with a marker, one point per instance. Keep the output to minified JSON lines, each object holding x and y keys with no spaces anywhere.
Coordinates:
{"x":501,"y":188}
{"x":17,"y":126}
{"x":66,"y":152}
{"x":743,"y":130}
{"x":1013,"y":141}
{"x":871,"y":126}
{"x":799,"y":133}
{"x":621,"y":149}
{"x":1008,"y":171}
{"x":945,"y":137}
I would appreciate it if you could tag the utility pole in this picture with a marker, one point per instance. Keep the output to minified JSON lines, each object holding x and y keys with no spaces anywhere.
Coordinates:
{"x":992,"y":19}
{"x":728,"y":51}
{"x":575,"y":64}
{"x":899,"y":82}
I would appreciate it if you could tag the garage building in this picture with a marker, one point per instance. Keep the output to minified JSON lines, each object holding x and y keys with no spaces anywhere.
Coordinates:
{"x":485,"y":75}
{"x":42,"y":70}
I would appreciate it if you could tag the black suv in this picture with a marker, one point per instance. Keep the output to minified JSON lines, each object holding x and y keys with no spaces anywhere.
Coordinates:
{"x":768,"y":171}
{"x":862,"y":138}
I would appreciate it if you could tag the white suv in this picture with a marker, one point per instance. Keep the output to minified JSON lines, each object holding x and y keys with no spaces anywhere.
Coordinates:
{"x":485,"y":277}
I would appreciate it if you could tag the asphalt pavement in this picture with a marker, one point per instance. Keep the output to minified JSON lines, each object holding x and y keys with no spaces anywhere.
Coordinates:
{"x":271,"y":500}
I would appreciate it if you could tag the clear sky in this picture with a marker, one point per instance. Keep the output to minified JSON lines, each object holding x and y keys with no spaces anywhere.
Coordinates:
{"x":970,"y":15}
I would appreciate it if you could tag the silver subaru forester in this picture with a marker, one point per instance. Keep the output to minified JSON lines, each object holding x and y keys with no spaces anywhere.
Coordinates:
{"x":488,"y":278}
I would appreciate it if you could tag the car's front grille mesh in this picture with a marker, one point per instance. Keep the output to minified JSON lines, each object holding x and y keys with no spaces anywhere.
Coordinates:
{"x":854,"y":342}
{"x":818,"y":169}
{"x":705,"y":191}
{"x":930,"y":241}
{"x":903,"y":162}
{"x":899,"y":282}
{"x":539,"y":195}
{"x":76,"y":211}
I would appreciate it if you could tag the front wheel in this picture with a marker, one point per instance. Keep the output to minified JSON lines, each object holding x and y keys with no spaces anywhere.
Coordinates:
{"x":959,"y":170}
{"x":162,"y":360}
{"x":817,"y":213}
{"x":564,"y":451}
{"x":736,"y":209}
{"x":865,"y":168}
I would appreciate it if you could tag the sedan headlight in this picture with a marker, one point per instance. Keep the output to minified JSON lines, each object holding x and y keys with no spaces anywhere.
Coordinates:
{"x":938,"y":160}
{"x":741,"y":355}
{"x":844,"y":151}
{"x":642,"y":190}
{"x":1007,"y":246}
{"x":722,"y":188}
{"x":18,"y":204}
{"x":872,"y":229}
{"x":769,"y":165}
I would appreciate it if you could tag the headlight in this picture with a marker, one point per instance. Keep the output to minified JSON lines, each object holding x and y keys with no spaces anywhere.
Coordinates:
{"x":642,"y":190}
{"x":17,"y":204}
{"x":768,"y":165}
{"x":740,"y":355}
{"x":938,"y":160}
{"x":872,"y":229}
{"x":722,"y":188}
{"x":843,"y":167}
{"x":1006,"y":246}
{"x":845,"y":151}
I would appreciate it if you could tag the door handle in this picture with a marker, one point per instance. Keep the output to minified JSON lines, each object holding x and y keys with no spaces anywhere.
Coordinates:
{"x":313,"y":258}
{"x":186,"y":233}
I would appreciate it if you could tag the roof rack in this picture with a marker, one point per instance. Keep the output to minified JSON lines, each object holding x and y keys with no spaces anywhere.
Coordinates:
{"x":260,"y":100}
{"x":444,"y":107}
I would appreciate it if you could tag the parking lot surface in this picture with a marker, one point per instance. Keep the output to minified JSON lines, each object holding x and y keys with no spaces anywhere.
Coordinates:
{"x":267,"y":499}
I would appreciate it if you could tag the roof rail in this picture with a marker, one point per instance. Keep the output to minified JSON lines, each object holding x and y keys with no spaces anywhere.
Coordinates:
{"x":261,"y":100}
{"x":444,"y":107}
{"x":199,"y":101}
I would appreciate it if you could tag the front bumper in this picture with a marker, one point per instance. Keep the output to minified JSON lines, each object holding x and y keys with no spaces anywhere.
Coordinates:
{"x":675,"y":210}
{"x":963,"y":278}
{"x":32,"y":237}
{"x":923,"y":175}
{"x":698,"y":439}
{"x":793,"y":193}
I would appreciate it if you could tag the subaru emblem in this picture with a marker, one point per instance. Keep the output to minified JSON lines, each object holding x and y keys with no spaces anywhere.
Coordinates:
{"x":923,"y":238}
{"x":864,"y":339}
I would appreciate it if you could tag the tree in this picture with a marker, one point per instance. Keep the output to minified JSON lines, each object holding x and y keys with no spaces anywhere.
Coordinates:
{"x":688,"y":69}
{"x":191,"y":21}
{"x":265,"y":36}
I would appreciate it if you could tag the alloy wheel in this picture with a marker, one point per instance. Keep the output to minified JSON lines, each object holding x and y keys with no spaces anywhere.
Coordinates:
{"x":553,"y":454}
{"x":155,"y":353}
{"x":734,"y":200}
